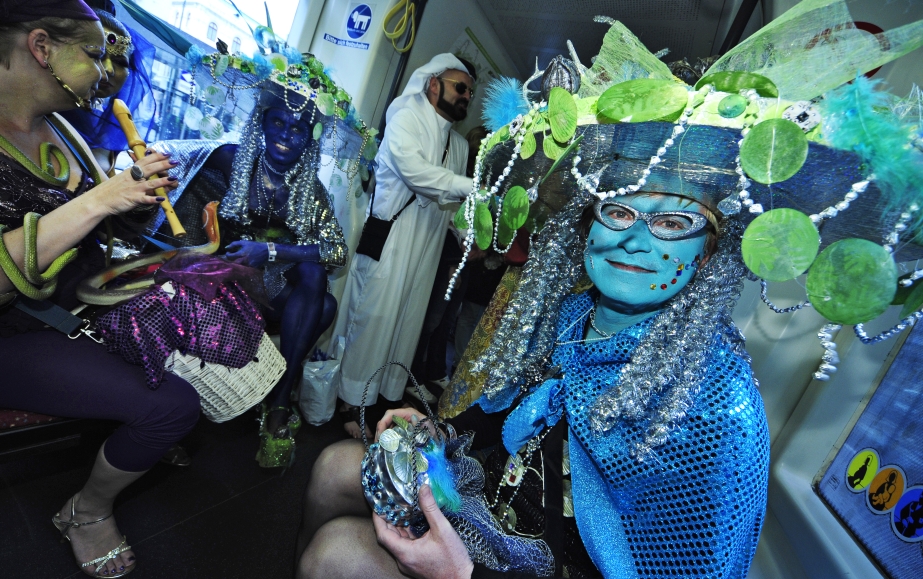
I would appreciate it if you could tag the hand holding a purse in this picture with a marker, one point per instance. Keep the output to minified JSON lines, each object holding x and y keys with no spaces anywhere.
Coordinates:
{"x":438,"y":554}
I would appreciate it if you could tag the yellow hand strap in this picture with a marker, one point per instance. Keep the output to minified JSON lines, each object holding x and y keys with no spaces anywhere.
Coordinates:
{"x":401,"y":27}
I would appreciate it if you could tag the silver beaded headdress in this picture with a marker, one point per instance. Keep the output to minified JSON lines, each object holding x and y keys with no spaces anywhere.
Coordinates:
{"x":761,"y":148}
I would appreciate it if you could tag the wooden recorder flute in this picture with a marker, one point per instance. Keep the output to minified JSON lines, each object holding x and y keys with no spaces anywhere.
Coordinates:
{"x":139,"y":147}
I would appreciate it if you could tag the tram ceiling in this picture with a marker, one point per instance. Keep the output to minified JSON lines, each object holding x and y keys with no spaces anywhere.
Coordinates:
{"x":530,"y":28}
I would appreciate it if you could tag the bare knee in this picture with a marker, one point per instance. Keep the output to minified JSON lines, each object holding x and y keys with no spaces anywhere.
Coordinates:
{"x":344,"y":548}
{"x":336,"y":473}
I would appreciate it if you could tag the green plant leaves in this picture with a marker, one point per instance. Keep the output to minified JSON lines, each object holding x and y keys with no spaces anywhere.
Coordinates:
{"x":773,"y":151}
{"x":734,"y":82}
{"x":515,"y":208}
{"x":780,"y":245}
{"x":913,"y":302}
{"x":528,"y":145}
{"x":641,"y":100}
{"x":325,"y":103}
{"x":551,"y":149}
{"x":483,"y":225}
{"x":562,"y":114}
{"x":852,"y":281}
{"x":560,"y":156}
{"x":318,"y":131}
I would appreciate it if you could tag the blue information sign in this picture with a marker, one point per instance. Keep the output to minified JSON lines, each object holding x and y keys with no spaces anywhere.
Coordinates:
{"x":359,"y":21}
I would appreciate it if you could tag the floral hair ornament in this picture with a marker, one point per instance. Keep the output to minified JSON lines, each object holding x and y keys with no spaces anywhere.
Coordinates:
{"x":822,"y":172}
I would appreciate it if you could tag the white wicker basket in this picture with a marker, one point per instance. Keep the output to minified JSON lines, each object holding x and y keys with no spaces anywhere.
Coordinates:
{"x":228,"y":392}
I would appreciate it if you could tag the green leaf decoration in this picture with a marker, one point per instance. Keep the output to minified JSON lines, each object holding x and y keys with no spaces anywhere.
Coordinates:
{"x":483,"y":225}
{"x":734,"y":82}
{"x":732,"y":106}
{"x":213,"y":96}
{"x":515,"y":208}
{"x":504,"y":235}
{"x":279,"y":62}
{"x":318,"y":131}
{"x":642,"y":100}
{"x":504,"y":133}
{"x":400,"y":422}
{"x":211,"y":128}
{"x":459,"y":220}
{"x":773,"y":151}
{"x":780,"y":245}
{"x":528,"y":145}
{"x":562,"y":114}
{"x":902,"y":293}
{"x":563,"y":155}
{"x":325,"y":103}
{"x":914,"y":301}
{"x":852,"y":281}
{"x":551,"y":149}
{"x":221,"y":65}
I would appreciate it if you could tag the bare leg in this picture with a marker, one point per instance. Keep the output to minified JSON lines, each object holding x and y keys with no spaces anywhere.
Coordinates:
{"x":94,"y":501}
{"x":347,"y":548}
{"x":334,"y":490}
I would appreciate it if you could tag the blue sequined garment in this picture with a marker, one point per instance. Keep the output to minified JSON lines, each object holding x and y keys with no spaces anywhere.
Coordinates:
{"x":694,"y":508}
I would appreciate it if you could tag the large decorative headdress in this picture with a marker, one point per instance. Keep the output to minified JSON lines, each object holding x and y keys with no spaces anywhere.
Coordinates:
{"x":772,"y":138}
{"x":282,"y":78}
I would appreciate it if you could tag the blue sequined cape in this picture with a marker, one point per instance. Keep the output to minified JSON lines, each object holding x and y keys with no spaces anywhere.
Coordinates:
{"x":695,"y":507}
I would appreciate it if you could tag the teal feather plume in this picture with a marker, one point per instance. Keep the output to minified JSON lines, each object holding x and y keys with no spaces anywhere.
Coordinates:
{"x":440,"y":478}
{"x":503,"y":102}
{"x":858,"y":117}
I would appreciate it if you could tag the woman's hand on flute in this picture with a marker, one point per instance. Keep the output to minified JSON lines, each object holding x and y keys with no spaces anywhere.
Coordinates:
{"x":123,"y":193}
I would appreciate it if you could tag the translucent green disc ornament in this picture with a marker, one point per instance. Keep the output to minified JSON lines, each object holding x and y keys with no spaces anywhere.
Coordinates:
{"x":780,"y":245}
{"x":515,"y":208}
{"x":773,"y":151}
{"x":504,"y":235}
{"x":528,"y":145}
{"x":562,"y":114}
{"x":642,"y":100}
{"x":483,"y":225}
{"x":852,"y":281}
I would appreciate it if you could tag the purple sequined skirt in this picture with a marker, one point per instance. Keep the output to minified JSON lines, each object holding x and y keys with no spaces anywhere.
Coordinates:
{"x":146,"y":329}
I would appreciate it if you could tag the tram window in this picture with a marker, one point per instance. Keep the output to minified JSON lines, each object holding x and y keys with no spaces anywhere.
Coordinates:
{"x":202,"y":20}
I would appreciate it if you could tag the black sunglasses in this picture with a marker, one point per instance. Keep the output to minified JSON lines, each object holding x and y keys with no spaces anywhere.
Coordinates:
{"x":460,"y":87}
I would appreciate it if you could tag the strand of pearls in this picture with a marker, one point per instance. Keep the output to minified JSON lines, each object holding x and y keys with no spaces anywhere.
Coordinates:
{"x":830,"y":358}
{"x":892,"y":238}
{"x":855,"y":190}
{"x":475,"y":196}
{"x":907,"y":322}
{"x":773,"y":307}
{"x":908,"y":281}
{"x":591,"y":182}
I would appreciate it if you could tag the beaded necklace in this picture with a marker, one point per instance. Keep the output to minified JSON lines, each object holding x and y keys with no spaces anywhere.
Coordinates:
{"x":516,"y":467}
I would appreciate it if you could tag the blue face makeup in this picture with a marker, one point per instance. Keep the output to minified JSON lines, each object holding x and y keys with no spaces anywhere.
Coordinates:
{"x":286,"y":137}
{"x":634,"y":270}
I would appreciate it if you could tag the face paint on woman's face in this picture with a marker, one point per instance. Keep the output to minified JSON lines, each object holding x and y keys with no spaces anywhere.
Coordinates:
{"x":636,"y":271}
{"x":117,"y":68}
{"x":286,"y":136}
{"x":80,"y":62}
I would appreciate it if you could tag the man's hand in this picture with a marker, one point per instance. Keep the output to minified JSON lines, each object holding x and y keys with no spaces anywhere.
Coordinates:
{"x":438,"y":554}
{"x":252,"y":253}
{"x":411,"y":415}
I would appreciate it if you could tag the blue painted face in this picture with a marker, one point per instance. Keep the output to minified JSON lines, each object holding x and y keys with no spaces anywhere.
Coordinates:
{"x":286,"y":137}
{"x":636,"y":272}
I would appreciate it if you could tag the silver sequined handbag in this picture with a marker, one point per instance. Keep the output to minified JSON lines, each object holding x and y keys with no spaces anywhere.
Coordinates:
{"x":394,"y":467}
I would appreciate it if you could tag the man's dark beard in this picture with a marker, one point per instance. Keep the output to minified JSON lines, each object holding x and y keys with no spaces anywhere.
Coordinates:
{"x":456,"y":112}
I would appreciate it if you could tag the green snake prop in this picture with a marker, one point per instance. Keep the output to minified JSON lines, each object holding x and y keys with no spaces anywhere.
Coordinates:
{"x":26,"y":282}
{"x":90,"y":291}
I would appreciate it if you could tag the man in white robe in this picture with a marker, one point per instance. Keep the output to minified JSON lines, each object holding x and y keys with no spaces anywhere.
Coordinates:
{"x":385,"y":301}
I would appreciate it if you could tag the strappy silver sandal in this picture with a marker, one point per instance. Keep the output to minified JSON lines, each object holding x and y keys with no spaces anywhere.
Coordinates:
{"x":100,"y":562}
